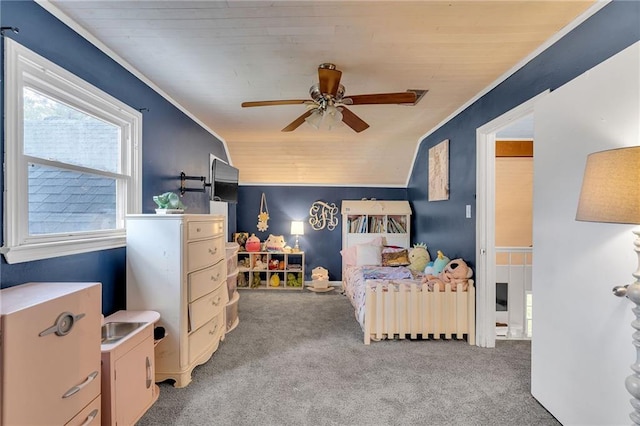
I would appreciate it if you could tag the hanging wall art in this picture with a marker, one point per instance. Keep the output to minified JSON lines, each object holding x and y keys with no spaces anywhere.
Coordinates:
{"x":439,"y":171}
{"x":263,"y":216}
{"x":323,"y":215}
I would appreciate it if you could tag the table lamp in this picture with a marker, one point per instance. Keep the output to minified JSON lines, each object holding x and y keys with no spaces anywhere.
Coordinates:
{"x":611,"y":193}
{"x":297,"y":229}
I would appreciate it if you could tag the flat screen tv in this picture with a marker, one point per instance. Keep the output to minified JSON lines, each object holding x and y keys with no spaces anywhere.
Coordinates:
{"x":224,"y":185}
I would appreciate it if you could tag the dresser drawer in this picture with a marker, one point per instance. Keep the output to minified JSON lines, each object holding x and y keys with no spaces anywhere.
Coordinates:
{"x":205,"y":308}
{"x":205,"y":281}
{"x":201,"y":254}
{"x":90,"y":415}
{"x":204,"y":229}
{"x":205,"y":336}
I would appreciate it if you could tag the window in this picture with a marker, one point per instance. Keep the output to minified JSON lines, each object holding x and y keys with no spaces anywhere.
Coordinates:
{"x":72,"y":164}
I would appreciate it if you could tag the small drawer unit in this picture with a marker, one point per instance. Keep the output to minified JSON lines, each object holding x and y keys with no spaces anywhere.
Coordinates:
{"x":231,"y":310}
{"x":176,"y":266}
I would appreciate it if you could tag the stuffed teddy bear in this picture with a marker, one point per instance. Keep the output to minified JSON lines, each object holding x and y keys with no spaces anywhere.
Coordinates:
{"x":456,"y":272}
{"x":418,"y":257}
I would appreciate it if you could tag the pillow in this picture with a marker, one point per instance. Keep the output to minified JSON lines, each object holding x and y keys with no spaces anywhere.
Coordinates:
{"x":395,"y":257}
{"x":368,"y":254}
{"x":349,"y":255}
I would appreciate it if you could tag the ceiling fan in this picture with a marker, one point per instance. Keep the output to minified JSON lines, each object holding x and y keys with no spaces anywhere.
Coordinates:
{"x":328,"y":102}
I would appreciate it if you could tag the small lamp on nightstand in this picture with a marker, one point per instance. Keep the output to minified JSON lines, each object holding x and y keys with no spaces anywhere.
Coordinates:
{"x":297,"y":229}
{"x":611,"y":193}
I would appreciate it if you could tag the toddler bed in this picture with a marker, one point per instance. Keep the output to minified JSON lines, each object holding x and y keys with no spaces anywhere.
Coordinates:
{"x":392,"y":301}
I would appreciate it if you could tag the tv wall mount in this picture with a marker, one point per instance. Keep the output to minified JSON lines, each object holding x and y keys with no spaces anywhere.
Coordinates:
{"x":183,"y":183}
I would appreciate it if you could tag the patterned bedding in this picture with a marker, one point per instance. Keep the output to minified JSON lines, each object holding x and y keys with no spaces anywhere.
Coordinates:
{"x":355,"y":281}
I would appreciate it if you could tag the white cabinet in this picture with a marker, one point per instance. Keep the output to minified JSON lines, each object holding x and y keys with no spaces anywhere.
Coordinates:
{"x":128,"y":367}
{"x":50,"y":354}
{"x":176,"y":267}
{"x":365,"y":220}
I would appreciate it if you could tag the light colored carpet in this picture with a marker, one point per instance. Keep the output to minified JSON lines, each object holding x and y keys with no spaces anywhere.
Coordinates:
{"x":297,"y":358}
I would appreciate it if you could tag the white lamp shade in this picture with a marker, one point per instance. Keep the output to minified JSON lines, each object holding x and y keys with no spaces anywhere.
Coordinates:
{"x":611,"y":187}
{"x":297,"y":228}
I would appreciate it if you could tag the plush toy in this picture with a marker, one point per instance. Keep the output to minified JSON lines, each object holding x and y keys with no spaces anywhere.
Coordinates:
{"x":256,"y":282}
{"x":275,"y":243}
{"x":419,"y":257}
{"x":242,"y":280}
{"x":428,"y":270}
{"x":456,"y":272}
{"x":440,"y":263}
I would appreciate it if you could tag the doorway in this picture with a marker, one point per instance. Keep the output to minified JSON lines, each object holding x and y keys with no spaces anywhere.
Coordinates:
{"x":486,"y":271}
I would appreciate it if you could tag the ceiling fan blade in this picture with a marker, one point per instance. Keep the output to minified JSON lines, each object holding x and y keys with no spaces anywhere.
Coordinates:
{"x":353,"y":121}
{"x":382,"y":98}
{"x":278,"y":102}
{"x":329,"y":80}
{"x":297,"y":122}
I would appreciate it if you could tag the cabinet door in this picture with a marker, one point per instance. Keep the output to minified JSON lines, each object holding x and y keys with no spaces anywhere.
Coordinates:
{"x":59,"y":373}
{"x":134,"y":373}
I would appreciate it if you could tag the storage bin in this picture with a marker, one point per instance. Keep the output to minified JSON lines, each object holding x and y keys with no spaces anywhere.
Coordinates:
{"x":231,"y":256}
{"x":232,"y":312}
{"x":232,"y":283}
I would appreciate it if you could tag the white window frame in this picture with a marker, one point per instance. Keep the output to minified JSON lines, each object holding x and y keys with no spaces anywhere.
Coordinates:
{"x":24,"y":68}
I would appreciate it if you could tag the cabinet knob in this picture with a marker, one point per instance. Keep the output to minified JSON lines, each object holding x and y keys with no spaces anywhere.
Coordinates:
{"x":197,"y":229}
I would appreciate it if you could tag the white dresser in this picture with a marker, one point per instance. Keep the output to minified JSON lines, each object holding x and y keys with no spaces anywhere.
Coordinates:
{"x":50,"y":354}
{"x":176,"y":267}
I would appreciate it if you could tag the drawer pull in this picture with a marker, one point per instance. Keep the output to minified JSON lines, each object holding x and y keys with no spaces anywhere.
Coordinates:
{"x":197,"y":229}
{"x":214,"y":251}
{"x":90,"y":418}
{"x":77,"y":388}
{"x":216,"y":278}
{"x":215,"y":328}
{"x":216,"y":302}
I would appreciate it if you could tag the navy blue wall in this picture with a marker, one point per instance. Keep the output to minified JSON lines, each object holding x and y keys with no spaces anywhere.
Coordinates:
{"x":442,"y":224}
{"x":287,"y":203}
{"x":172,"y":142}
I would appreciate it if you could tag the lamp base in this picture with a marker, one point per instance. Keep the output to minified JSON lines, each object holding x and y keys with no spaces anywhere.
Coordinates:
{"x":632,"y":383}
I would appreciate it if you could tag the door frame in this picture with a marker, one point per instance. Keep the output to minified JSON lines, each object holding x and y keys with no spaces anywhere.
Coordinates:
{"x":486,"y":219}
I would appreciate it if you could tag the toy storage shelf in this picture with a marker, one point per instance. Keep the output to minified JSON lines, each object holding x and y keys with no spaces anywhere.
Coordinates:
{"x":257,"y":270}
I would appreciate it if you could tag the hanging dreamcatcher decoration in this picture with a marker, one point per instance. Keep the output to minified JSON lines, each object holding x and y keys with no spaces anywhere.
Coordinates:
{"x":263,"y":217}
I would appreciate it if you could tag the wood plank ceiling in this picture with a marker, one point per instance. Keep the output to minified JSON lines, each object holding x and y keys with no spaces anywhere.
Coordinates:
{"x":210,"y":56}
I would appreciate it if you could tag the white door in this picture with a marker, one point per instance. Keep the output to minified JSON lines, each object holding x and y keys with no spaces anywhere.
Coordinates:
{"x":582,"y":347}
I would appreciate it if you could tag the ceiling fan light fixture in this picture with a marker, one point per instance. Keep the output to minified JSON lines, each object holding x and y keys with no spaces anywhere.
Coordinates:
{"x":315,"y":119}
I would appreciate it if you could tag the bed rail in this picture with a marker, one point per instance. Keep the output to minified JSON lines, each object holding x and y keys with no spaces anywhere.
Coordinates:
{"x":409,"y":309}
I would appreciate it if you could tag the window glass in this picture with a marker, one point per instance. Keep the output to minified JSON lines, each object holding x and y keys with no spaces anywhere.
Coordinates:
{"x":62,"y":201}
{"x":57,"y":132}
